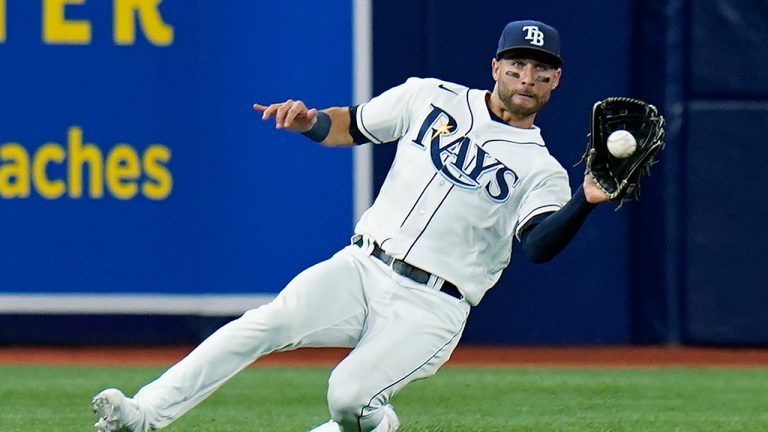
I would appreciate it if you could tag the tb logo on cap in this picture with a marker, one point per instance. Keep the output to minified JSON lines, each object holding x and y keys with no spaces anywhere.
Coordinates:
{"x":534,"y":35}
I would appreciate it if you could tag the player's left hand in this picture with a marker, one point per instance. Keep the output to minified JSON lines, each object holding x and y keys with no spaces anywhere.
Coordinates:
{"x":593,"y":192}
{"x":291,"y":115}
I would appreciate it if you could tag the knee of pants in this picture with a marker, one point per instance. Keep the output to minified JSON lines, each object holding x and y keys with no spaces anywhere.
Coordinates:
{"x":268,"y":320}
{"x":348,"y":401}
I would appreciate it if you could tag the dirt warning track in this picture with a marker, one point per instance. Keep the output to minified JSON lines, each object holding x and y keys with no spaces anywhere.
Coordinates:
{"x":464,"y":356}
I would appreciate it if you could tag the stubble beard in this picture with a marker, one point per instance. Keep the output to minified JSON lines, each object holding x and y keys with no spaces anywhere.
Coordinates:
{"x":506,"y":96}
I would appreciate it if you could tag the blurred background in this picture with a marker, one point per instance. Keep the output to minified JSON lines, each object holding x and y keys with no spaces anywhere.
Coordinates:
{"x":144,"y":202}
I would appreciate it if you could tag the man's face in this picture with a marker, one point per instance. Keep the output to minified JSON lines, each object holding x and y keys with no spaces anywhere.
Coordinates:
{"x":524,"y":85}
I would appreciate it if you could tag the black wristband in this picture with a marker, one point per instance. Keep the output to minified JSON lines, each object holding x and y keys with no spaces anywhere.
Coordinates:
{"x":354,"y":129}
{"x":321,"y":129}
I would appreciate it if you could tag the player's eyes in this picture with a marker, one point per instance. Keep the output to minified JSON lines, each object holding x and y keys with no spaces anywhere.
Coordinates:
{"x":540,"y":67}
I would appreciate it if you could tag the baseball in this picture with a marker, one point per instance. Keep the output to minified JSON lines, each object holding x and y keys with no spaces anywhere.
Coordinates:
{"x":621,"y":144}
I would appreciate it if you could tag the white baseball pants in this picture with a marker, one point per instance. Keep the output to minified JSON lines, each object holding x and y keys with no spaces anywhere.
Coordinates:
{"x":400,"y":330}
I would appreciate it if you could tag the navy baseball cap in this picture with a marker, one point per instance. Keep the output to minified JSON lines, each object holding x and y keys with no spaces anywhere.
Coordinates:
{"x":537,"y":38}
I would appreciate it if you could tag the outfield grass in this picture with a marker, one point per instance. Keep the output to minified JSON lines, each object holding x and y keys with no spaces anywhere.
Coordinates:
{"x":532,"y":400}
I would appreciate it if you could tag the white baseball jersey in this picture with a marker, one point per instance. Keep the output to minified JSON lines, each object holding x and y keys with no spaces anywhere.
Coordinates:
{"x":461,"y":184}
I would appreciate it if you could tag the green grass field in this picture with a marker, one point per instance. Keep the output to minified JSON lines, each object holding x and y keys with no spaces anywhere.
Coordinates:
{"x":532,"y":400}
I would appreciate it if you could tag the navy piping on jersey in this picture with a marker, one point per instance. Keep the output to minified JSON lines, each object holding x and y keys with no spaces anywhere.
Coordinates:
{"x":433,"y":214}
{"x":428,"y":222}
{"x":515,"y":142}
{"x":415,"y":203}
{"x":366,"y":129}
{"x":498,"y":119}
{"x":359,"y":425}
{"x":526,"y":226}
{"x":471,"y":115}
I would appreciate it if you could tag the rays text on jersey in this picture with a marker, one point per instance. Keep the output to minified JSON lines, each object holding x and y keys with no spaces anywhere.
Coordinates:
{"x":461,"y":161}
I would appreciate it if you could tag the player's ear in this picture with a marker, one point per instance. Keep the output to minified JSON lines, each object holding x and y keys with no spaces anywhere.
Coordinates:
{"x":556,"y":78}
{"x":495,"y":65}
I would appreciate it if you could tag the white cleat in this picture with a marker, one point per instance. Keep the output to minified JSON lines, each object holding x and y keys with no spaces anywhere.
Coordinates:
{"x":330,"y":426}
{"x":117,"y":413}
{"x":389,"y":423}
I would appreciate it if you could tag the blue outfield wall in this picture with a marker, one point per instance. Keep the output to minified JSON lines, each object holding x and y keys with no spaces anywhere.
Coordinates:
{"x":699,"y":276}
{"x":725,"y":281}
{"x":144,"y":202}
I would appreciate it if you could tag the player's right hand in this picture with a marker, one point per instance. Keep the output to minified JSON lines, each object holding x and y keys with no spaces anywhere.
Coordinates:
{"x":291,"y":115}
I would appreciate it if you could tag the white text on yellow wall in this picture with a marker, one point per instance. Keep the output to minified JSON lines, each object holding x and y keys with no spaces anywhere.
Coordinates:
{"x":123,"y":171}
{"x":59,"y":30}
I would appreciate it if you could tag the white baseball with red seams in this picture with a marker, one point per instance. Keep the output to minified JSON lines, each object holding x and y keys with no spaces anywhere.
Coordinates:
{"x":621,"y":144}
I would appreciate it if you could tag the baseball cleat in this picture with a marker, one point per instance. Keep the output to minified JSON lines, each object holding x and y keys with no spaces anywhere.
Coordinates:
{"x":330,"y":426}
{"x":390,"y":421}
{"x":116,"y":412}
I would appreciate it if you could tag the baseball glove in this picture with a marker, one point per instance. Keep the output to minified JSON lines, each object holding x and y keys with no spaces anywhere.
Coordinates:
{"x":618,"y":177}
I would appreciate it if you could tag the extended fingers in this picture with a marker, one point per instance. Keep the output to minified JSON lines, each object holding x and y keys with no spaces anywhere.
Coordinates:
{"x":266,"y":111}
{"x":291,"y":114}
{"x":289,"y":111}
{"x":285,"y":113}
{"x":282,"y":115}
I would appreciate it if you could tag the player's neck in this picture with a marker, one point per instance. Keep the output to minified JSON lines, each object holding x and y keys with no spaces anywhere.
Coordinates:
{"x":496,"y":109}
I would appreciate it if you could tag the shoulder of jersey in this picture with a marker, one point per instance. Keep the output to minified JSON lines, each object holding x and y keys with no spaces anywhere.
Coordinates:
{"x":436,"y":85}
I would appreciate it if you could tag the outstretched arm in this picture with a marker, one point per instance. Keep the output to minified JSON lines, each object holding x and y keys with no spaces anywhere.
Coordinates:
{"x":548,"y":234}
{"x":295,"y":116}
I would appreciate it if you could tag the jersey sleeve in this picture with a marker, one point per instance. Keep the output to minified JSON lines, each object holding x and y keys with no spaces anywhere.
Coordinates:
{"x":386,"y":117}
{"x":549,"y":195}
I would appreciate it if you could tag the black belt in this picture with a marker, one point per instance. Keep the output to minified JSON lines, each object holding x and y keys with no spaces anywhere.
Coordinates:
{"x":404,"y":269}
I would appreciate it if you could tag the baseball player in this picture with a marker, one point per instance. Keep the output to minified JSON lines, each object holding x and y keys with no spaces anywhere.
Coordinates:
{"x":471,"y":174}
